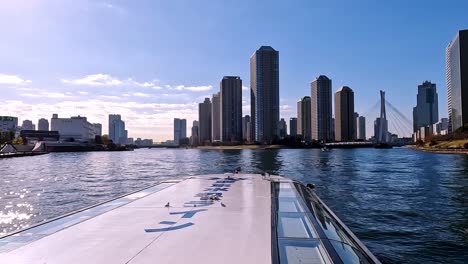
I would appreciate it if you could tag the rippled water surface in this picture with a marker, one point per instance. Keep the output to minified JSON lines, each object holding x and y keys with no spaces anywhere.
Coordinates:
{"x":407,"y":206}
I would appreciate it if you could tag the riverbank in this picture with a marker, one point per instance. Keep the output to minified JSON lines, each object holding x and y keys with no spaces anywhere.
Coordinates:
{"x":244,"y":147}
{"x":444,"y":147}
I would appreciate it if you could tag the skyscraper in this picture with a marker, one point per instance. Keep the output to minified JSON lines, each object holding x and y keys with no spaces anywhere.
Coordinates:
{"x":216,"y":117}
{"x":361,"y":128}
{"x":306,"y":119}
{"x":456,"y":57}
{"x":321,"y":108}
{"x":283,"y":129}
{"x":43,"y":124}
{"x":180,"y":129}
{"x":264,"y":92}
{"x":293,"y":127}
{"x":356,"y":126}
{"x":426,"y":111}
{"x":194,"y":139}
{"x":299,"y":117}
{"x":344,"y":114}
{"x":231,"y":109}
{"x":246,"y":128}
{"x":204,"y":119}
{"x":117,"y":132}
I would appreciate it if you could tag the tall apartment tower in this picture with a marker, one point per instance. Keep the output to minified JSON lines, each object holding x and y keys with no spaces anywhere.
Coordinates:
{"x":356,"y":126}
{"x":456,"y":57}
{"x":283,"y":129}
{"x":180,"y":129}
{"x":216,"y":117}
{"x":299,"y":118}
{"x":264,"y":93}
{"x":231,"y":109}
{"x":43,"y":124}
{"x":304,"y":118}
{"x":204,"y":122}
{"x":293,"y":127}
{"x":344,"y":114}
{"x":426,"y":111}
{"x":361,"y":128}
{"x":246,"y":128}
{"x":194,"y":139}
{"x":321,"y":106}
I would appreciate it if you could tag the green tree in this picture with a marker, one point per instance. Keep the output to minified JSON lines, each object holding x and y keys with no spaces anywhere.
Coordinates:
{"x":18,"y":141}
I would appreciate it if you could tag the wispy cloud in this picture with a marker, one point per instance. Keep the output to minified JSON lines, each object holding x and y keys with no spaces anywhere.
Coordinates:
{"x":13,"y":79}
{"x":101,"y":79}
{"x":94,"y":80}
{"x":245,"y":88}
{"x":202,"y":88}
{"x":138,"y":94}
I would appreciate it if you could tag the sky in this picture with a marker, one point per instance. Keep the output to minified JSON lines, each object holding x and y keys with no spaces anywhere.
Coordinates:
{"x":152,"y":61}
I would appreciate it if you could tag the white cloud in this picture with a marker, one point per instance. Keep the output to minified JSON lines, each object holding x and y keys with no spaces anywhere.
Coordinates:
{"x":138,"y":94}
{"x":191,"y":88}
{"x":245,"y":88}
{"x":13,"y":79}
{"x":94,"y":80}
{"x":83,"y":92}
{"x":112,"y":97}
{"x":40,"y":93}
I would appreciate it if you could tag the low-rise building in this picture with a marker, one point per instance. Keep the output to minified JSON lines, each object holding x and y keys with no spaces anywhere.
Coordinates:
{"x":75,"y":128}
{"x":8,"y":123}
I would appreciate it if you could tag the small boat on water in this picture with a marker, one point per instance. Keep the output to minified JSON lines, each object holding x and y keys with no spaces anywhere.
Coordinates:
{"x":220,"y":218}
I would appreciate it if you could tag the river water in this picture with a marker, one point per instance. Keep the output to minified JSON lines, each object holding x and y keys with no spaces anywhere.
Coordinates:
{"x":406,"y":206}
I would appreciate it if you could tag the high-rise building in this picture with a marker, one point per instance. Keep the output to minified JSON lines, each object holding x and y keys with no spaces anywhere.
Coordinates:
{"x":344,"y":114}
{"x":76,"y":127}
{"x":283,"y":129}
{"x":304,"y":118}
{"x":426,"y":111}
{"x":204,"y":119}
{"x":43,"y":124}
{"x":180,"y":129}
{"x":8,"y":123}
{"x":194,"y":139}
{"x":299,"y":117}
{"x":97,"y":129}
{"x":264,"y":91}
{"x":356,"y":126}
{"x":216,"y":117}
{"x":321,"y":106}
{"x":231,"y":109}
{"x":457,"y":80}
{"x":361,"y":128}
{"x":28,"y":125}
{"x":117,"y":132}
{"x":293,"y":127}
{"x":246,"y":128}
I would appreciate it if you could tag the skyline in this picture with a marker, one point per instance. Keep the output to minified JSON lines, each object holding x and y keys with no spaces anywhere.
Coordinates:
{"x":92,"y":70}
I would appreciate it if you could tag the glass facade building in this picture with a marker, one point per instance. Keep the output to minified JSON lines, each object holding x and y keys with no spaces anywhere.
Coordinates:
{"x":321,"y":108}
{"x":264,"y":92}
{"x":457,"y":80}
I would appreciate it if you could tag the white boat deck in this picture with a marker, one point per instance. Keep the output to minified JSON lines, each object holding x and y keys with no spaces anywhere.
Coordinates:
{"x":226,"y":218}
{"x":194,"y":228}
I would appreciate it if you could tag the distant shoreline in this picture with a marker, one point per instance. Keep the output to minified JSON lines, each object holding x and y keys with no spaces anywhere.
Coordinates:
{"x":441,"y":151}
{"x":244,"y":147}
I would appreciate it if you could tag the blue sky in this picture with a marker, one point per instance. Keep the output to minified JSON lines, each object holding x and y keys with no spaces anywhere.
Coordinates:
{"x":152,"y":61}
